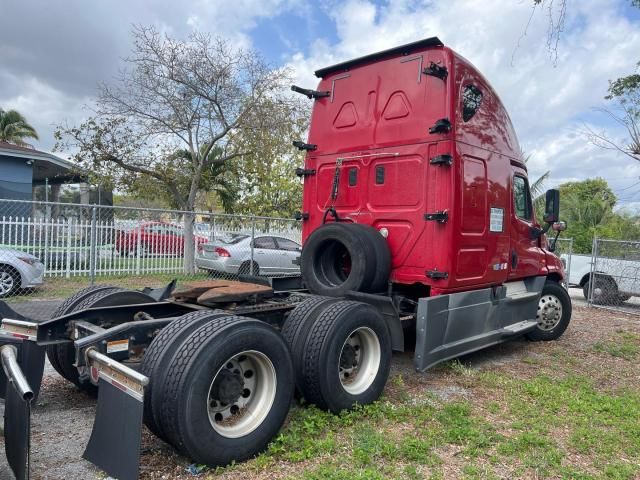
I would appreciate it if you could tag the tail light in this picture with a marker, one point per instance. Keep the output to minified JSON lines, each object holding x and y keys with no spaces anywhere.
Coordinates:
{"x":222,"y":252}
{"x":200,"y":248}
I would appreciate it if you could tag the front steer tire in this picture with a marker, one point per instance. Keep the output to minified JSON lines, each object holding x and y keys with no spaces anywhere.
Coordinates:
{"x":550,"y":328}
{"x":346,"y":357}
{"x":202,"y":381}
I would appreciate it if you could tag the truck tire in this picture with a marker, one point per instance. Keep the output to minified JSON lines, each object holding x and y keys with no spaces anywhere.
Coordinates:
{"x":554,"y":313}
{"x":605,"y":290}
{"x":347,"y":357}
{"x":103,"y":297}
{"x":382,"y":258}
{"x":227,"y":391}
{"x":66,"y":307}
{"x":339,"y":257}
{"x":157,"y":358}
{"x":296,"y":328}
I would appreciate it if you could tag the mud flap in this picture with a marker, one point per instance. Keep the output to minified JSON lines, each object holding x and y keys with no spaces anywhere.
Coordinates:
{"x":114,"y":445}
{"x":17,"y":413}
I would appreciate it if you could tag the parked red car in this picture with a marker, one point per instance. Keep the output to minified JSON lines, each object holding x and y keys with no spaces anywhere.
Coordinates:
{"x":153,"y":238}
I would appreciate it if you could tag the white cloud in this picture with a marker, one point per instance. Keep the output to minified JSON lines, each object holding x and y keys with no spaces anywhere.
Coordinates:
{"x":546,"y":102}
{"x":51,"y":64}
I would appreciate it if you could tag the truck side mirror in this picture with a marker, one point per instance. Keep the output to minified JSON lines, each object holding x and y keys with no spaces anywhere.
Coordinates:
{"x":552,"y":206}
{"x":559,"y":226}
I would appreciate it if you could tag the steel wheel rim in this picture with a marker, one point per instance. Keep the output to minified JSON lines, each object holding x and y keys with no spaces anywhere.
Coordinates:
{"x":549,"y":312}
{"x":6,"y":282}
{"x":241,"y":394}
{"x":359,"y":360}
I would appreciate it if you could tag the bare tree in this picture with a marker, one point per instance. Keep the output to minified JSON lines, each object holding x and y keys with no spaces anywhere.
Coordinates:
{"x":630,"y":122}
{"x":556,"y":11}
{"x":172,"y":95}
{"x":625,"y":95}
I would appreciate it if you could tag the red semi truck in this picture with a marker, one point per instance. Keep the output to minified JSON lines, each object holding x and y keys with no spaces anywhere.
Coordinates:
{"x":417,"y":222}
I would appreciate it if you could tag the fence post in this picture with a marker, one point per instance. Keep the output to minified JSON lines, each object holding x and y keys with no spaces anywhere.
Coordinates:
{"x":253,"y":239}
{"x":68,"y":266}
{"x":594,"y":256}
{"x":569,"y":262}
{"x":46,"y":240}
{"x":138,"y":246}
{"x":92,"y":247}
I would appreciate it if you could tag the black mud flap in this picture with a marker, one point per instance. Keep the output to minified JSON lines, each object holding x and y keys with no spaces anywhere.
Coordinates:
{"x":17,"y":433}
{"x":17,"y":413}
{"x":114,"y":445}
{"x":451,"y":325}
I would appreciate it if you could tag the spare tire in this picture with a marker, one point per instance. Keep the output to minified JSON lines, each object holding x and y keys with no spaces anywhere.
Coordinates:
{"x":342,"y":257}
{"x":382,"y":254}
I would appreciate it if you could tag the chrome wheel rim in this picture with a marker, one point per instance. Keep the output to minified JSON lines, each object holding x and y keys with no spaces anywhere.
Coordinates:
{"x":6,"y":283}
{"x":549,"y":312}
{"x":241,"y":394}
{"x":359,"y":360}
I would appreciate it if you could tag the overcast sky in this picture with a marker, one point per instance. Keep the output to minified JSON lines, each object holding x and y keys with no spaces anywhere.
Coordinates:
{"x":52,"y":55}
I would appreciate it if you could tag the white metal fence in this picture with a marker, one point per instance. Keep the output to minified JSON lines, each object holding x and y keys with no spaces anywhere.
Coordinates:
{"x":44,"y":241}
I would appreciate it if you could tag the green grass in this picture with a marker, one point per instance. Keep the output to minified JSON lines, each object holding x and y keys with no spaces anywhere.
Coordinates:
{"x":540,"y":423}
{"x":625,"y":345}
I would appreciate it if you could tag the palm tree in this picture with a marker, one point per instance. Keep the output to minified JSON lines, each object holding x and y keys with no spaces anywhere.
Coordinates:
{"x":537,"y":189}
{"x":14,"y":128}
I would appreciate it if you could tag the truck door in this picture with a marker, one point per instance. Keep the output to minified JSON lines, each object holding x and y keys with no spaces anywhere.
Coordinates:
{"x":525,"y":257}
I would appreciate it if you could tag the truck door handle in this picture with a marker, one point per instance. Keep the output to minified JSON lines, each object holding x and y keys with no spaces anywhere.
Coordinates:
{"x":514,"y":259}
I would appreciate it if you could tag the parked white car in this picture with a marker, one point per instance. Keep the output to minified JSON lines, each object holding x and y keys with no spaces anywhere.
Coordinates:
{"x":272,"y":255}
{"x":614,"y":281}
{"x":18,"y":270}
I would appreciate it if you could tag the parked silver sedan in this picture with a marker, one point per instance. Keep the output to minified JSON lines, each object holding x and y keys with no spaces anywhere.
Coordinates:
{"x":272,"y":255}
{"x":18,"y":270}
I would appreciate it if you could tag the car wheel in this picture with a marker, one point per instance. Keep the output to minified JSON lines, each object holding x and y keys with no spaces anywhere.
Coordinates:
{"x":245,"y":269}
{"x":10,"y":281}
{"x":604,"y":290}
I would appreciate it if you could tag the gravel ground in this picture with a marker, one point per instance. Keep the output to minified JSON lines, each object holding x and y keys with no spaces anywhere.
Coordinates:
{"x":63,"y":417}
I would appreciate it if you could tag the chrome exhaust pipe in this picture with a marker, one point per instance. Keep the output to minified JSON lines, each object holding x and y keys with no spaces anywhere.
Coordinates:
{"x":9,"y":359}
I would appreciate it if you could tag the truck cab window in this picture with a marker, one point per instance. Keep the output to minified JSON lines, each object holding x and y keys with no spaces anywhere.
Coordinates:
{"x":471,"y":100}
{"x":522,"y":198}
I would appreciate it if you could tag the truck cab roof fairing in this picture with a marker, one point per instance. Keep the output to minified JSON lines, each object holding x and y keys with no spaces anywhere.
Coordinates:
{"x":403,"y":49}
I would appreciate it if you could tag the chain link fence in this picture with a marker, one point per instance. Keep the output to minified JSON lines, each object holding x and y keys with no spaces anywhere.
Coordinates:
{"x":613,"y":280}
{"x":563,"y":248}
{"x":50,"y":250}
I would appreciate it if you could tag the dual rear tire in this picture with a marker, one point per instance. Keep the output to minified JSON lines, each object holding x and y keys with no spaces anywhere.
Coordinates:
{"x":62,"y":356}
{"x":341,"y":352}
{"x":220,"y":386}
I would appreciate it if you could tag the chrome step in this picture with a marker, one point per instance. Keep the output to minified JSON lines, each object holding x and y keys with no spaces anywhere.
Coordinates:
{"x":519,"y":327}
